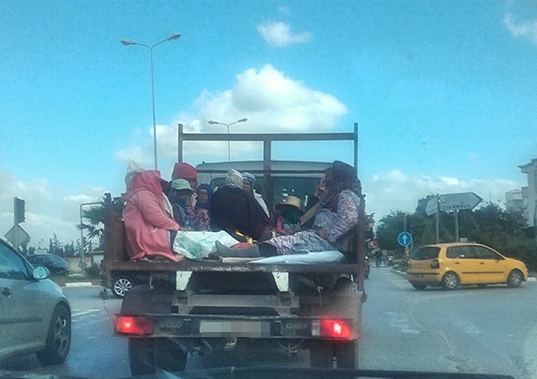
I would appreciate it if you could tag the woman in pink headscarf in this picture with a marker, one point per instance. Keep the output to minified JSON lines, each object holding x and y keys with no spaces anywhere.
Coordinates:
{"x":146,"y":220}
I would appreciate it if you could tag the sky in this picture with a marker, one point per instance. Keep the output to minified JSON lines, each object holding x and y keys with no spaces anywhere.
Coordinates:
{"x":444,"y":93}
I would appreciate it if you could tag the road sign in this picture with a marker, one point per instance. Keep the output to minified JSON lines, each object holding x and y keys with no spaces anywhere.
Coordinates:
{"x":457,"y":201}
{"x":432,"y":206}
{"x":404,"y":239}
{"x":17,"y":235}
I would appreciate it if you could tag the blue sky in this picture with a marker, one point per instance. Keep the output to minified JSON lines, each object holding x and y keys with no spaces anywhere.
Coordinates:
{"x":444,"y":93}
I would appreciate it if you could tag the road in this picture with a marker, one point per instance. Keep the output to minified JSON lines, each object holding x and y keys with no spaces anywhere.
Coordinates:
{"x":489,"y":330}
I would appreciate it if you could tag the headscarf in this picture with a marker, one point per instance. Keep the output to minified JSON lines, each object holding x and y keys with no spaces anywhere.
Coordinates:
{"x":182,"y":170}
{"x":249,"y":177}
{"x":234,"y":179}
{"x":145,"y":181}
{"x":208,"y":188}
{"x":342,"y":172}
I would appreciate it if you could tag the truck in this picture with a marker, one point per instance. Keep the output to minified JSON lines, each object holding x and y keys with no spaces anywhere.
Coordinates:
{"x":190,"y":307}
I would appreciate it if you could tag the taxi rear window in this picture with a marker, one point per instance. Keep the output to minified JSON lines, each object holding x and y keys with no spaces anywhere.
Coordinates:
{"x":425,"y":252}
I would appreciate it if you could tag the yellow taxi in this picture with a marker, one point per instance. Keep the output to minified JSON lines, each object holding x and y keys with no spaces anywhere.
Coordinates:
{"x":452,"y":264}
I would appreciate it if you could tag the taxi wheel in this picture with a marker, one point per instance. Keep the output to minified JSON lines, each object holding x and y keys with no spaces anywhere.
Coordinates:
{"x":419,"y":286}
{"x":515,"y":279}
{"x":450,"y":281}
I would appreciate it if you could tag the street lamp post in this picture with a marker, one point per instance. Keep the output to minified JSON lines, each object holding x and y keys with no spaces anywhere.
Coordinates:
{"x":227,"y":125}
{"x":128,"y":42}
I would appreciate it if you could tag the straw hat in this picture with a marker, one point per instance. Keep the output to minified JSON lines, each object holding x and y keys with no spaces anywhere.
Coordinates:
{"x":291,"y":201}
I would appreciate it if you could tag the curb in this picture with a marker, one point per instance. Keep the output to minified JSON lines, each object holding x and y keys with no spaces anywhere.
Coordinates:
{"x":398,"y":272}
{"x":91,"y":283}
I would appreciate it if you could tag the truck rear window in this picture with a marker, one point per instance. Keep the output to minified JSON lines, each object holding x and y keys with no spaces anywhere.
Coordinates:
{"x":425,"y":252}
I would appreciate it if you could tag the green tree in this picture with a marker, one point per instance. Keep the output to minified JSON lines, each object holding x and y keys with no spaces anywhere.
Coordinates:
{"x":56,"y":247}
{"x":95,"y":218}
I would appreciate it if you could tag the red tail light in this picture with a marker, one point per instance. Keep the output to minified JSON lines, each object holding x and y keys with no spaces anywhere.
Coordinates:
{"x":138,"y":326}
{"x":331,"y":328}
{"x":435,"y":263}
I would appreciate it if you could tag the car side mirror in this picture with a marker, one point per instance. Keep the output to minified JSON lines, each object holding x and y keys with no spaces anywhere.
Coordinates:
{"x":40,"y":273}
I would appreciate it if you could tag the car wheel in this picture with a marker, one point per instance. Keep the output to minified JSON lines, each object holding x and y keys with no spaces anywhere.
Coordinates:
{"x":419,"y":286}
{"x":58,"y":337}
{"x":121,"y":285}
{"x":515,"y":279}
{"x":450,"y":281}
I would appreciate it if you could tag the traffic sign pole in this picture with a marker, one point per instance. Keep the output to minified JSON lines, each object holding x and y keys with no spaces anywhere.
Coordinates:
{"x":437,"y":222}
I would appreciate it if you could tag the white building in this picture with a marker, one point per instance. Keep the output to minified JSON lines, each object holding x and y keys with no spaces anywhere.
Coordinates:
{"x":529,"y":193}
{"x":517,"y":200}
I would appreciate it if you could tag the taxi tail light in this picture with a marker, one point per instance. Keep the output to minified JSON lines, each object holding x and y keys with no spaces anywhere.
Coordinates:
{"x":435,"y":263}
{"x":138,"y":326}
{"x":331,"y":328}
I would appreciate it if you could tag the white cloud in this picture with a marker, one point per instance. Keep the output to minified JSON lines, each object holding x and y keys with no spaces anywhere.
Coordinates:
{"x":525,"y":29}
{"x":278,"y":34}
{"x":268,"y":98}
{"x":397,"y":191}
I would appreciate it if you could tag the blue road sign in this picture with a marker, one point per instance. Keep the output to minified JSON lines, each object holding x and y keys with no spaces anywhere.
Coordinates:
{"x":404,"y":239}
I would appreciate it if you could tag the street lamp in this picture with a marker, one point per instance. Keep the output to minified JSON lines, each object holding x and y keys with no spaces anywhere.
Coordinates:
{"x":128,"y":42}
{"x":227,"y":125}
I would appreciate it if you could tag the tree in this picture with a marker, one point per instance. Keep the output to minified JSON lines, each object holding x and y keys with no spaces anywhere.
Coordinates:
{"x":56,"y":247}
{"x":95,"y":218}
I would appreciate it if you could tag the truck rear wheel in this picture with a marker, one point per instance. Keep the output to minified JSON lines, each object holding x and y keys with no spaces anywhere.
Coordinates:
{"x":146,"y":355}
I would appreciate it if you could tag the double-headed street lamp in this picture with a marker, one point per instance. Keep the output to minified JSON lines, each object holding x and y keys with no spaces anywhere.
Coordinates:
{"x":128,"y":42}
{"x":227,"y":125}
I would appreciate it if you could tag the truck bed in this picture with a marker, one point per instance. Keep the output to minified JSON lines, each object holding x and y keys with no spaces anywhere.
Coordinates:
{"x":217,"y":266}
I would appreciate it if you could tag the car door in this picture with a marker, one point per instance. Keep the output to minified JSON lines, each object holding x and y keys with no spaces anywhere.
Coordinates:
{"x":23,"y":311}
{"x":492,"y":265}
{"x":464,"y":261}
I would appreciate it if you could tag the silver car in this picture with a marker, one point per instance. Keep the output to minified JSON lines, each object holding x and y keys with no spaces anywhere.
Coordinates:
{"x":35,"y":316}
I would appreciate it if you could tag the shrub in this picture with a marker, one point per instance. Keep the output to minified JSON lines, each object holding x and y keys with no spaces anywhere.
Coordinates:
{"x":93,"y":272}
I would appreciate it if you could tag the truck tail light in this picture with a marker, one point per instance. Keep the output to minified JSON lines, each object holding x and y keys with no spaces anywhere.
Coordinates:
{"x":137,"y":326}
{"x":435,"y":263}
{"x":331,"y":328}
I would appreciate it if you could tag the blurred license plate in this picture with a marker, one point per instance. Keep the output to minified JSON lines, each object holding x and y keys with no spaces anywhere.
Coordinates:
{"x":235,"y":329}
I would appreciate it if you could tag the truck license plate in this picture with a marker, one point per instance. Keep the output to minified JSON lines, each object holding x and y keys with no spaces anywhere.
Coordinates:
{"x":235,"y":329}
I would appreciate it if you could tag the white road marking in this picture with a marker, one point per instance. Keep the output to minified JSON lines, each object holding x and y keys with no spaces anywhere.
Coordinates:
{"x":86,"y":312}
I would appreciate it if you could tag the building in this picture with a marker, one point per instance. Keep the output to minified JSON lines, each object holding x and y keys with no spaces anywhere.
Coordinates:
{"x":517,"y":200}
{"x":529,"y":193}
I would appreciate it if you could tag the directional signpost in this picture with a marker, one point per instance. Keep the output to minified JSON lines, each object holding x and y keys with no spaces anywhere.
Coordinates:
{"x":458,"y":201}
{"x":432,"y":206}
{"x":452,"y":202}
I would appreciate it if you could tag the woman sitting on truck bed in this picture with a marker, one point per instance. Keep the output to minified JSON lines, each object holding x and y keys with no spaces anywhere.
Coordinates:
{"x":236,"y":210}
{"x":147,"y":221}
{"x":336,"y":213}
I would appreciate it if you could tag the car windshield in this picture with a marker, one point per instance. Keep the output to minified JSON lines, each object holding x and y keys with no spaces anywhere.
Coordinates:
{"x":144,"y":154}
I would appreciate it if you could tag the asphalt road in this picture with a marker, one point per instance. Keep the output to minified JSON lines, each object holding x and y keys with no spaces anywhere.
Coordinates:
{"x":490,"y":330}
